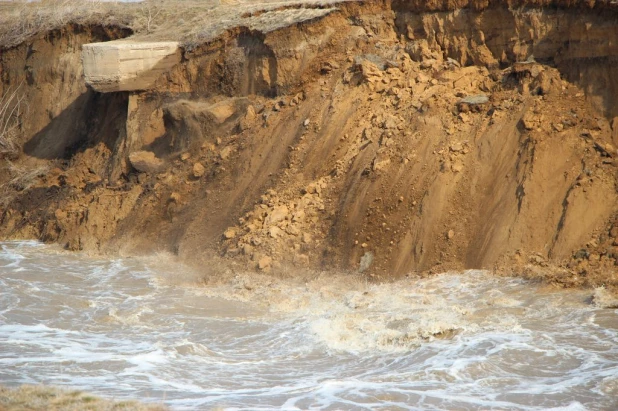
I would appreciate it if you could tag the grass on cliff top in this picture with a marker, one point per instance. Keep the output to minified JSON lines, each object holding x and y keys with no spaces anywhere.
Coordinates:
{"x":31,"y":398}
{"x":188,"y":21}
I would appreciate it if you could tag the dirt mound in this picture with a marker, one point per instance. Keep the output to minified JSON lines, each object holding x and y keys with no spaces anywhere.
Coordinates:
{"x":385,"y":140}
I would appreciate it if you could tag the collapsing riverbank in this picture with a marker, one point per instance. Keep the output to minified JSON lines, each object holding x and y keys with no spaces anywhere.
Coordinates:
{"x":387,"y":138}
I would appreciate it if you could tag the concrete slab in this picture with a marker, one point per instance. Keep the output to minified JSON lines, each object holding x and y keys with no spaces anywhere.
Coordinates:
{"x":127,"y":66}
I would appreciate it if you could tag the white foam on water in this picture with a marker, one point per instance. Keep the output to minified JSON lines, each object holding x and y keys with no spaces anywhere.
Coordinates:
{"x":135,"y":328}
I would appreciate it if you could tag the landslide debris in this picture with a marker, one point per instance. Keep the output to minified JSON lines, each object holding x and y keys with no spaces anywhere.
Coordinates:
{"x":386,"y":140}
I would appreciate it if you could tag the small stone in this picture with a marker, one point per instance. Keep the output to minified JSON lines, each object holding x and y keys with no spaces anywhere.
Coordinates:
{"x":581,"y":254}
{"x":364,"y":245}
{"x":306,"y":238}
{"x":185,"y":156}
{"x":175,"y":197}
{"x":390,"y":123}
{"x":146,"y":162}
{"x":306,"y":123}
{"x":292,"y":230}
{"x":275,"y":232}
{"x":225,"y":153}
{"x":298,"y":216}
{"x":456,"y":147}
{"x":265,"y":262}
{"x":450,"y":234}
{"x":247,"y":250}
{"x":232,"y":252}
{"x":198,"y":170}
{"x":279,"y":213}
{"x":229,"y":233}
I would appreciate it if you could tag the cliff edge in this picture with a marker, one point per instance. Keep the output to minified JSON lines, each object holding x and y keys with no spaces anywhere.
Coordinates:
{"x":386,"y":138}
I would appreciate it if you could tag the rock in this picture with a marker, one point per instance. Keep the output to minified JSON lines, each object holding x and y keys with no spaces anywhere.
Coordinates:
{"x":450,"y":234}
{"x":146,"y":162}
{"x":457,"y":167}
{"x":185,"y":156}
{"x":292,"y":230}
{"x":248,"y":119}
{"x":198,"y":170}
{"x":313,"y":188}
{"x":298,"y":216}
{"x":594,"y":258}
{"x":605,"y":149}
{"x":529,"y":121}
{"x":456,"y":147}
{"x":390,"y":123}
{"x":328,"y":66}
{"x":380,"y":163}
{"x":225,"y":153}
{"x":581,"y":254}
{"x":229,"y":233}
{"x":475,"y":103}
{"x":306,"y":122}
{"x":175,"y":197}
{"x":306,"y":238}
{"x":422,"y":78}
{"x":542,"y":85}
{"x":275,"y":232}
{"x":279,"y":213}
{"x":370,"y":68}
{"x":265,"y":263}
{"x":429,"y":63}
{"x":232,"y":252}
{"x":247,"y":250}
{"x":453,"y":62}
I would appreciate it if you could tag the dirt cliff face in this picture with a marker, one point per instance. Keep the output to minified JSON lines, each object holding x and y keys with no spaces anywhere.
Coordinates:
{"x":382,"y":138}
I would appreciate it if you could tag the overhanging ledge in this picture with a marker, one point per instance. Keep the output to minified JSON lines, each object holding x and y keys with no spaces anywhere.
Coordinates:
{"x":127,"y":66}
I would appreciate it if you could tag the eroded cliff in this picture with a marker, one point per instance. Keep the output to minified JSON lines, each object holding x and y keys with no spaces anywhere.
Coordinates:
{"x":386,"y":138}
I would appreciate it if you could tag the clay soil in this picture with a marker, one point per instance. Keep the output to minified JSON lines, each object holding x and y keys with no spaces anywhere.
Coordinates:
{"x":386,"y":139}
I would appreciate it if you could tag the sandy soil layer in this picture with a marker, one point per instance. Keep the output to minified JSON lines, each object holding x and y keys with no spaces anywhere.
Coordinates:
{"x":362,"y":136}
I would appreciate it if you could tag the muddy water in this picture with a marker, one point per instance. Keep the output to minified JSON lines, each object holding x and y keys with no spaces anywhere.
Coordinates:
{"x":136,"y":328}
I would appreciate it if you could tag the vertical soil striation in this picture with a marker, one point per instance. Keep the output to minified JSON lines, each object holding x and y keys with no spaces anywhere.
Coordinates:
{"x":417,"y":136}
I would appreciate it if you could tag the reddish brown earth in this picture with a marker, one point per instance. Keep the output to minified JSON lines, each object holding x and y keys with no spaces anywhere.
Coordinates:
{"x":400,"y":138}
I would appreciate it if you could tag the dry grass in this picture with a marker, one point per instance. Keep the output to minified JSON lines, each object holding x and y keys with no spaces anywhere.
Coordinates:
{"x":188,"y":21}
{"x":18,"y":179}
{"x":30,"y":397}
{"x":21,"y":19}
{"x":12,"y":107}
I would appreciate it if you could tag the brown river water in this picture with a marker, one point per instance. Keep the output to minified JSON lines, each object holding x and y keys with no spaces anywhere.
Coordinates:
{"x":143,"y":328}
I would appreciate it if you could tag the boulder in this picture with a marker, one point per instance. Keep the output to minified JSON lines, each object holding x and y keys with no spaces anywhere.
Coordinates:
{"x":146,"y":162}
